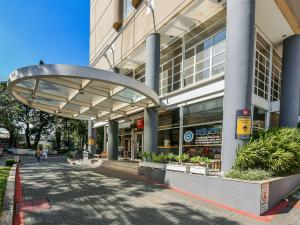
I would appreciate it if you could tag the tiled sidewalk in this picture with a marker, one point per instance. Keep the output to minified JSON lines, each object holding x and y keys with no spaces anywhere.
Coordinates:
{"x":80,"y":195}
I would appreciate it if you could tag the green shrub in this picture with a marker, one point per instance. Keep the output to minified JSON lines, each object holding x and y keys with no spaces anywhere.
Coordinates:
{"x":170,"y":157}
{"x":250,"y":174}
{"x":182,"y":158}
{"x":196,"y":160}
{"x":275,"y":150}
{"x":9,"y":162}
{"x":4,"y":172}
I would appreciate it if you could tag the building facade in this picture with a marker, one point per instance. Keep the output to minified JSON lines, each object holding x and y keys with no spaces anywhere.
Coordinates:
{"x":214,"y":57}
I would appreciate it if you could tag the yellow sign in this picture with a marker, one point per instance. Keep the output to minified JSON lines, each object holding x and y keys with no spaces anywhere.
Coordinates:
{"x":91,"y":141}
{"x":243,"y":127}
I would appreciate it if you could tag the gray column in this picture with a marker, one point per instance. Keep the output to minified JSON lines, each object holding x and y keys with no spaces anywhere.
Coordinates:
{"x":290,"y":84}
{"x":239,"y":69}
{"x":152,"y":80}
{"x":104,"y":138}
{"x":91,"y":138}
{"x":113,"y":140}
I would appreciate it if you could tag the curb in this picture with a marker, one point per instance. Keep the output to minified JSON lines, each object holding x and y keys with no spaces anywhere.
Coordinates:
{"x":8,"y":199}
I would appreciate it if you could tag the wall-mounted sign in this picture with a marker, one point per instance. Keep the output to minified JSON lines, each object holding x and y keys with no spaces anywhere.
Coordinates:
{"x":203,"y":136}
{"x":91,"y":141}
{"x":264,"y":198}
{"x":140,"y":124}
{"x":243,"y":124}
{"x":188,"y":136}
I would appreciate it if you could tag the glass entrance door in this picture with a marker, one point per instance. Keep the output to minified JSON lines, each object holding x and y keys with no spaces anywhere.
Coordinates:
{"x":127,"y":148}
{"x":138,"y":145}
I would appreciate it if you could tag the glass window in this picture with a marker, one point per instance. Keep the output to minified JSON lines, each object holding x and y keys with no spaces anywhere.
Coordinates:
{"x":219,"y":37}
{"x":259,"y":119}
{"x":127,"y":7}
{"x":203,"y":112}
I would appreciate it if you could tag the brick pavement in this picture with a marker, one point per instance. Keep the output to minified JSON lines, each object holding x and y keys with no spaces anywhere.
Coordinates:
{"x":81,"y":195}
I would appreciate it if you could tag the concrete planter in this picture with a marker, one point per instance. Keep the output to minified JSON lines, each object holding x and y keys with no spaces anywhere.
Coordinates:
{"x":254,"y":197}
{"x":199,"y":170}
{"x":176,"y":167}
{"x":153,"y":165}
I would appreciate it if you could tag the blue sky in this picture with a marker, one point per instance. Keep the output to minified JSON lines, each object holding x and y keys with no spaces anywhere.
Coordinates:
{"x":56,"y":31}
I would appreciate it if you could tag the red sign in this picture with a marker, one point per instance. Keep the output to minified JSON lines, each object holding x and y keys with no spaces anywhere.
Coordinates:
{"x":246,"y":112}
{"x":140,"y":124}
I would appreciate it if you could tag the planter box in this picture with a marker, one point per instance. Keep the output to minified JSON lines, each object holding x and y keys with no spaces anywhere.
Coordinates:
{"x":199,"y":170}
{"x":153,"y":165}
{"x":254,"y":197}
{"x":176,"y":167}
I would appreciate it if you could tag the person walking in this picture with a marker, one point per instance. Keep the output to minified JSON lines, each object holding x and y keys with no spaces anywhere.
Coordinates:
{"x":45,"y":153}
{"x":38,"y":156}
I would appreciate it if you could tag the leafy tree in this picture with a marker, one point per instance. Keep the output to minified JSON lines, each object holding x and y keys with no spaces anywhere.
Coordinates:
{"x":37,"y":123}
{"x":9,"y":111}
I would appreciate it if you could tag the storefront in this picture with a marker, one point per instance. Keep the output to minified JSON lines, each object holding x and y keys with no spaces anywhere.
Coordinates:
{"x":201,"y":131}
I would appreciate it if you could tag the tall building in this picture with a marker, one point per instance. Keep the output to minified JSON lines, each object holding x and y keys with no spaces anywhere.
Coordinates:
{"x":193,"y":76}
{"x":216,"y":57}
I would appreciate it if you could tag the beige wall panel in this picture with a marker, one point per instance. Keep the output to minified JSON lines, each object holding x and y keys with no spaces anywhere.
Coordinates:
{"x":118,"y":49}
{"x":127,"y":38}
{"x":92,"y":45}
{"x":143,"y":25}
{"x":92,"y":19}
{"x":163,"y":8}
{"x":104,"y":26}
{"x":102,"y":64}
{"x":101,"y":7}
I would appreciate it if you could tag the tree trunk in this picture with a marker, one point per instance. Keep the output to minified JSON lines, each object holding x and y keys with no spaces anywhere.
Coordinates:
{"x":27,"y":135}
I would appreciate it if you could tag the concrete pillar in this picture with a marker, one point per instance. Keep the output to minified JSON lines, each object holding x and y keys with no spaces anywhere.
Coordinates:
{"x":239,"y":69}
{"x":152,"y":80}
{"x":104,"y":138}
{"x":91,"y":139}
{"x":113,"y":140}
{"x":290,"y":84}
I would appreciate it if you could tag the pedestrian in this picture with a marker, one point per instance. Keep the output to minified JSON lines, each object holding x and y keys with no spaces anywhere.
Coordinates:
{"x":45,"y":153}
{"x":38,"y":156}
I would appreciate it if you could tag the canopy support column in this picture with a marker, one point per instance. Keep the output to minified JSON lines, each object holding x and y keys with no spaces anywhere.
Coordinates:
{"x":91,"y":139}
{"x":151,"y":80}
{"x":113,"y":140}
{"x":240,"y":33}
{"x":290,"y":84}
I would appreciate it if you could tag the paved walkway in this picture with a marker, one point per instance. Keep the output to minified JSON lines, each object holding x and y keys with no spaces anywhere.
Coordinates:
{"x":80,"y":195}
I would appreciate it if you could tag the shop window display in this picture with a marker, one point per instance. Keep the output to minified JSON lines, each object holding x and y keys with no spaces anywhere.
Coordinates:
{"x":202,"y":128}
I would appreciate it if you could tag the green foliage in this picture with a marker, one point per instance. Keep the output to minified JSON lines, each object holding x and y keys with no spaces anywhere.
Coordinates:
{"x":4,"y":172}
{"x":250,"y":174}
{"x":198,"y":160}
{"x":170,"y":157}
{"x":182,"y":158}
{"x":276,"y":150}
{"x":10,"y":162}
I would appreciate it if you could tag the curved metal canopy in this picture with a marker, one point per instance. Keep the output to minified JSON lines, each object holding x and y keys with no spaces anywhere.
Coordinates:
{"x":80,"y":92}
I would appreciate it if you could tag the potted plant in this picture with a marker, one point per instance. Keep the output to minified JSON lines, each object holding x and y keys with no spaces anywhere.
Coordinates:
{"x":201,"y":165}
{"x":179,"y":166}
{"x":153,"y":161}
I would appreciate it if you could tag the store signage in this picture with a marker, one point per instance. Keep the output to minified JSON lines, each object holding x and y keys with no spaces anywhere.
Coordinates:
{"x":91,"y":141}
{"x":264,"y":198}
{"x":140,"y":124}
{"x":188,"y":136}
{"x":243,"y":124}
{"x":203,"y":136}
